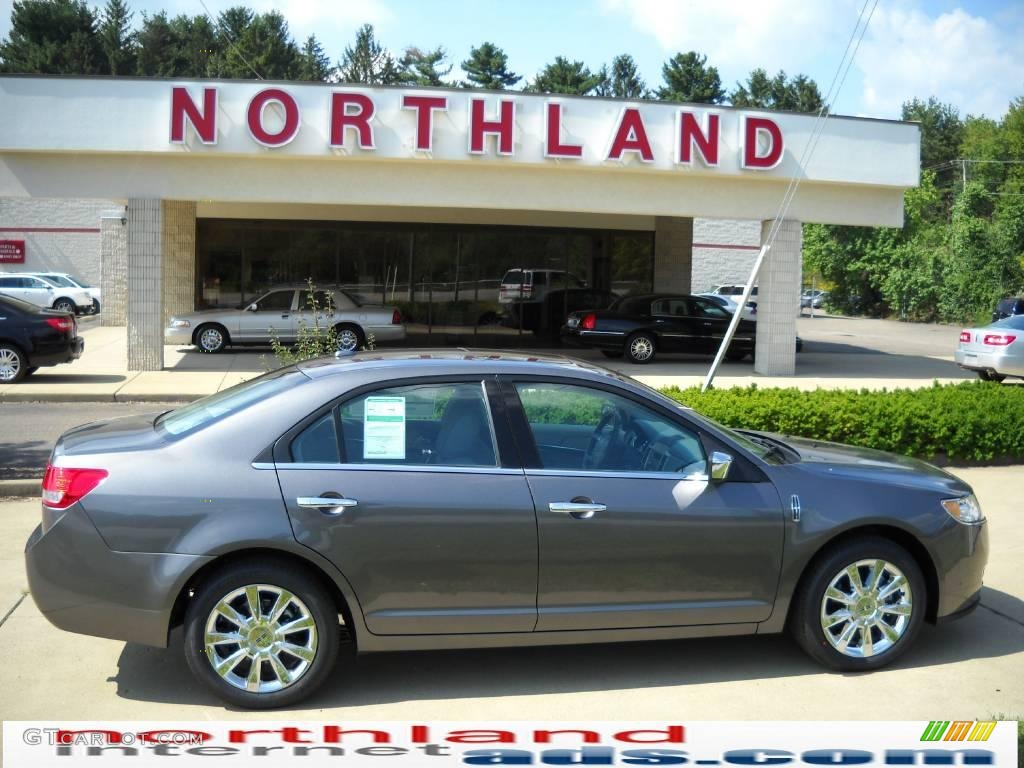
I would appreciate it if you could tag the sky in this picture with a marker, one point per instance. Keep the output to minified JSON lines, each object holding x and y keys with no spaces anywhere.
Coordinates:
{"x":966,"y":53}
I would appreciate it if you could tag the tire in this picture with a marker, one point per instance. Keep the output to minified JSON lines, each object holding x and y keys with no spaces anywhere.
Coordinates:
{"x":350,"y":337}
{"x":990,"y":376}
{"x":613,"y":354}
{"x":65,"y":305}
{"x":640,"y":348}
{"x":95,"y":306}
{"x":318,"y":644}
{"x":30,"y":371}
{"x":811,"y":605}
{"x":13,"y":364}
{"x":211,"y":338}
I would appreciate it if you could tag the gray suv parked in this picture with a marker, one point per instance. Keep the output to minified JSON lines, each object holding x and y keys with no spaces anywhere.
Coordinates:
{"x":456,"y":499}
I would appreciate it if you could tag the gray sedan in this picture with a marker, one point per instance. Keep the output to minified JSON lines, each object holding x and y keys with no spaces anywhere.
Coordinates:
{"x":458,"y":499}
{"x":280,"y":313}
{"x":995,"y":351}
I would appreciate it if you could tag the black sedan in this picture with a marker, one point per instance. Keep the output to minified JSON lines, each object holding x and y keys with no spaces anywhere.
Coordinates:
{"x":640,"y":326}
{"x":31,"y":338}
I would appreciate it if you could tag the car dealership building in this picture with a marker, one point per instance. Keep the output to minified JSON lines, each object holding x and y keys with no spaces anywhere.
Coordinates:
{"x":176,"y":195}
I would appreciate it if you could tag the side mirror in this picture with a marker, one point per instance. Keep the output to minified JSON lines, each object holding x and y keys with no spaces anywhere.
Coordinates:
{"x":720,"y":463}
{"x":251,"y":308}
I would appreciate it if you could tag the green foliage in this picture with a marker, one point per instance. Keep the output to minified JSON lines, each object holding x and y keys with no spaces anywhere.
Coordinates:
{"x":117,"y":38}
{"x":970,"y":421}
{"x":314,"y":64}
{"x":941,"y":130}
{"x":53,"y":37}
{"x":312,"y":340}
{"x":368,"y":62}
{"x":424,"y":67}
{"x":623,"y":81}
{"x":797,"y":94}
{"x":688,"y":78}
{"x":487,"y":67}
{"x":564,"y":76}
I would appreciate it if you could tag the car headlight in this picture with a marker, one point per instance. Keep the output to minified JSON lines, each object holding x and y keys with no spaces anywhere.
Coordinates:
{"x":966,"y":509}
{"x":175,"y":323}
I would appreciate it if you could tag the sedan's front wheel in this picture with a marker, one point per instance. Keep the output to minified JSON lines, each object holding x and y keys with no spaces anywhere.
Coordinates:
{"x":261,"y":635}
{"x":860,"y":606}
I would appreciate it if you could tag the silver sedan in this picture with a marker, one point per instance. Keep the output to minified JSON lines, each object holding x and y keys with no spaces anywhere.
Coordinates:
{"x":994,"y":351}
{"x":280,"y":313}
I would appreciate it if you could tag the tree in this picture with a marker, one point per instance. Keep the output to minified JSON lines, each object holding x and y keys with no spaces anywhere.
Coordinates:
{"x":158,"y":48}
{"x":424,"y":67}
{"x":487,"y":67}
{"x":53,"y":37}
{"x":622,"y":81}
{"x":117,"y":37}
{"x":688,"y":78}
{"x":367,"y":61}
{"x":799,"y":94}
{"x":313,"y":64}
{"x":197,"y":47}
{"x":941,"y":130}
{"x":263,"y":48}
{"x":564,"y":76}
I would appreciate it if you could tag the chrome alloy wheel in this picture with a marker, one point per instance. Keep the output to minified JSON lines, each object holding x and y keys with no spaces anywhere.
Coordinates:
{"x":211,"y":339}
{"x":348,"y":340}
{"x":260,"y":638}
{"x":866,"y":608}
{"x":641,"y":348}
{"x":10,"y":364}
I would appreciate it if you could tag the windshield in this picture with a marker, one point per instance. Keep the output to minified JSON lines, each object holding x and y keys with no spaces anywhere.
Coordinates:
{"x":211,"y":409}
{"x":60,"y":280}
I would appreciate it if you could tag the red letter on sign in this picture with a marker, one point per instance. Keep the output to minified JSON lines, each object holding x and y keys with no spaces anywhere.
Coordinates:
{"x":342,"y":118}
{"x":631,"y":136}
{"x":425,"y":106}
{"x":254,"y":116}
{"x":753,"y":127}
{"x":692,"y":134}
{"x":204,"y":123}
{"x":502,"y":127}
{"x":554,"y":146}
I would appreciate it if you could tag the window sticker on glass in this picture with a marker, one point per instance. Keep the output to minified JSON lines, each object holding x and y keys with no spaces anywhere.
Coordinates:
{"x":384,"y":428}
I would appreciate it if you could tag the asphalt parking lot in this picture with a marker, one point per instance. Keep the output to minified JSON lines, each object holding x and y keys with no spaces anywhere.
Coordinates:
{"x":972,"y":668}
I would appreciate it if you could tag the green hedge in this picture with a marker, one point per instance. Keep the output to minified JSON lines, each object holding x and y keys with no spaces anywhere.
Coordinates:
{"x":971,"y":421}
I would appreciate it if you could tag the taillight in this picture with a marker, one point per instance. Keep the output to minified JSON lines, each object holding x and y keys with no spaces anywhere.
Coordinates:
{"x":526,"y":291}
{"x":63,"y":486}
{"x":62,"y":324}
{"x":396,"y":318}
{"x":965,"y":336}
{"x":999,"y":339}
{"x":589,"y":322}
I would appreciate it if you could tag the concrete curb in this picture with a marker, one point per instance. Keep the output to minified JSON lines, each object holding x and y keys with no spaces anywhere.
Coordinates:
{"x":26,"y":487}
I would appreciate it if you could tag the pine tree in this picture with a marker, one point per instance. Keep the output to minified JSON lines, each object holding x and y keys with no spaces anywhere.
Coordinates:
{"x":688,"y":78}
{"x":625,"y":80}
{"x":487,"y":67}
{"x":424,"y":67}
{"x":564,"y":76}
{"x":799,"y":94}
{"x":117,"y":37}
{"x":314,"y":64}
{"x":52,"y":37}
{"x":368,"y":62}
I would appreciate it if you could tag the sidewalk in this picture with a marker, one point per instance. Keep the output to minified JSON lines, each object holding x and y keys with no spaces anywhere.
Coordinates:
{"x":840,"y":353}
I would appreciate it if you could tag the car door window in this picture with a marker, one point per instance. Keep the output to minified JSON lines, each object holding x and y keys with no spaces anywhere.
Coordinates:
{"x":713,"y":311}
{"x":278,"y":301}
{"x":582,"y":428}
{"x":324,"y":301}
{"x":446,"y":424}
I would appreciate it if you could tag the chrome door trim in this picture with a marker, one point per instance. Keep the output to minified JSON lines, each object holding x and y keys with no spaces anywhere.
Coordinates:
{"x":390,"y":468}
{"x":602,"y":473}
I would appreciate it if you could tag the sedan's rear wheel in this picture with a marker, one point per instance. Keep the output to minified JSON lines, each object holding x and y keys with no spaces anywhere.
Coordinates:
{"x":349,"y":338}
{"x":64,"y":305}
{"x":13,"y":366}
{"x":861,"y":605}
{"x":261,"y":636}
{"x":640,"y":348}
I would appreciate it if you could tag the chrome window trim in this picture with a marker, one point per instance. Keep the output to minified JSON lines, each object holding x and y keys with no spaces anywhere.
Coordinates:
{"x":609,"y":473}
{"x":443,"y":468}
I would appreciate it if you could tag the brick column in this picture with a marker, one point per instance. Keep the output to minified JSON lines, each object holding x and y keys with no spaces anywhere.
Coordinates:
{"x":673,"y":253}
{"x":145,"y":312}
{"x":778,"y":301}
{"x":179,"y":257}
{"x":113,"y":271}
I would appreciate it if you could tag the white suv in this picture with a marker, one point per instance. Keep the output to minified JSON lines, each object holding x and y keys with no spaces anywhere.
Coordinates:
{"x":533,"y":284}
{"x":44,"y":293}
{"x":64,"y":280}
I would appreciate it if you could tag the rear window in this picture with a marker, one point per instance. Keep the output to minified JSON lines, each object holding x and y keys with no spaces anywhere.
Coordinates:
{"x":512,"y":278}
{"x":212,"y":409}
{"x":17,"y":304}
{"x":1016,"y":323}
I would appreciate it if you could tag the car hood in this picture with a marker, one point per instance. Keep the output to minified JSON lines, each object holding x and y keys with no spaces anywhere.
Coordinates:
{"x":837,"y":460}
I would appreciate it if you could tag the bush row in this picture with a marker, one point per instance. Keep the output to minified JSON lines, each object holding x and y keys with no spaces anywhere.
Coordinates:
{"x":970,"y":422}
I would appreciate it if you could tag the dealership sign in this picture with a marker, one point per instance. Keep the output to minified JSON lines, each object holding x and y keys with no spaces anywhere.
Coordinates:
{"x":12,"y":251}
{"x":500,"y":126}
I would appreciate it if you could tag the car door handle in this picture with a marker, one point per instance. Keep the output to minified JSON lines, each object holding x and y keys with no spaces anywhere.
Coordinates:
{"x":326,"y":504}
{"x":578,"y":509}
{"x":285,"y":315}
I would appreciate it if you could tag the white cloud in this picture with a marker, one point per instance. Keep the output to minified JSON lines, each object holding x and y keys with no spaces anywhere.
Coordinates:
{"x":961,"y":59}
